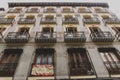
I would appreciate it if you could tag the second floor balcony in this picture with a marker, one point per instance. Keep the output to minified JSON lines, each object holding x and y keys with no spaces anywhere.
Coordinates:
{"x":91,"y":21}
{"x":49,"y":10}
{"x":6,"y":20}
{"x":44,"y":37}
{"x":71,"y":20}
{"x":14,"y":11}
{"x":112,"y":21}
{"x":102,"y":37}
{"x":101,"y":11}
{"x":74,"y":37}
{"x":48,"y":20}
{"x":26,"y":21}
{"x":67,"y":10}
{"x":17,"y":37}
{"x":84,"y":11}
{"x":32,"y":10}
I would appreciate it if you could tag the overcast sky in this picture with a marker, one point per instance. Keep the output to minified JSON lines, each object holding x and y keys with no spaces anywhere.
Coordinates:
{"x":113,"y":4}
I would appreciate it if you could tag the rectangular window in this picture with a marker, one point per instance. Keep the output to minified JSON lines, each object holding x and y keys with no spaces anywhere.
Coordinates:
{"x":111,"y":58}
{"x":24,"y":30}
{"x":9,"y":61}
{"x":43,"y":62}
{"x":79,"y":62}
{"x":71,"y":29}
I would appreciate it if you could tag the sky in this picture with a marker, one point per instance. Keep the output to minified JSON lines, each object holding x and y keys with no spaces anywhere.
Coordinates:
{"x":114,"y":5}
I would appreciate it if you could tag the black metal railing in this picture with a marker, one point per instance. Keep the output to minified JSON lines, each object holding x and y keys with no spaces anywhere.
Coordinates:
{"x":48,"y":21}
{"x":112,"y":21}
{"x":14,"y":11}
{"x":83,"y":69}
{"x":7,"y":69}
{"x":32,"y":11}
{"x":102,"y":37}
{"x":67,"y":11}
{"x":74,"y":37}
{"x":26,"y":21}
{"x":17,"y":37}
{"x":49,"y":11}
{"x":85,"y":11}
{"x":91,"y":21}
{"x":6,"y":21}
{"x":102,"y":11}
{"x":113,"y":67}
{"x":45,"y":37}
{"x":70,"y":21}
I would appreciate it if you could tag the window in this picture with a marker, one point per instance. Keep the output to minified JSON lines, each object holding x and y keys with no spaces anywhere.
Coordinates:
{"x":47,"y":30}
{"x":44,"y":62}
{"x":71,"y":29}
{"x":9,"y":61}
{"x":79,"y":62}
{"x":96,"y":31}
{"x":111,"y":58}
{"x":24,"y":30}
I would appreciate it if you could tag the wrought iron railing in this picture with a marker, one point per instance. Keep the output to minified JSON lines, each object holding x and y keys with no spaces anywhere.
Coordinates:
{"x":67,"y":11}
{"x":7,"y":69}
{"x":48,"y":21}
{"x":6,"y":21}
{"x":49,"y":11}
{"x":70,"y":21}
{"x":113,"y":67}
{"x":17,"y":37}
{"x":102,"y":11}
{"x":83,"y":69}
{"x":26,"y":21}
{"x":111,"y":21}
{"x":45,"y":37}
{"x":32,"y":11}
{"x":14,"y":11}
{"x":85,"y":11}
{"x":91,"y":21}
{"x":102,"y":37}
{"x":74,"y":37}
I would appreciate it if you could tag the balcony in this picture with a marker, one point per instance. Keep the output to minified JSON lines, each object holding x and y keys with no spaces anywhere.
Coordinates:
{"x":42,"y":37}
{"x":48,"y":21}
{"x":26,"y":21}
{"x":74,"y":37}
{"x":79,"y":64}
{"x":91,"y":21}
{"x":112,"y":21}
{"x":70,"y":20}
{"x":33,"y":10}
{"x":6,"y":21}
{"x":102,"y":37}
{"x":67,"y":10}
{"x":49,"y":10}
{"x":101,"y":11}
{"x":84,"y":11}
{"x":14,"y":11}
{"x":7,"y":69}
{"x":17,"y":37}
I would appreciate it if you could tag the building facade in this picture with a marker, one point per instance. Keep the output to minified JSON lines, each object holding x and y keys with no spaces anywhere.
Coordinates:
{"x":59,"y":41}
